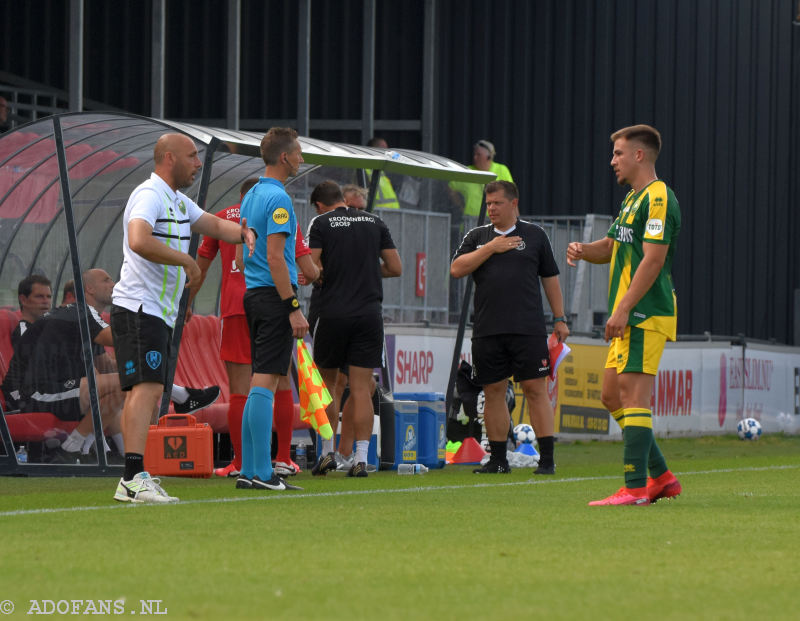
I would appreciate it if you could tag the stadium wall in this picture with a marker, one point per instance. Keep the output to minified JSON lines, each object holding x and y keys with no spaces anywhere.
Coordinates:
{"x":702,"y":388}
{"x":546,"y":81}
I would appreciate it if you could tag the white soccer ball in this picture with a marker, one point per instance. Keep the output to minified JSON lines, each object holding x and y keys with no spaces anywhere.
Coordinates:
{"x":524,"y":434}
{"x":748,"y":429}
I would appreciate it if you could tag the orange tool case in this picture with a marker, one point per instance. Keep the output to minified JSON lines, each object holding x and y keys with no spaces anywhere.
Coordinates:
{"x":179,"y":446}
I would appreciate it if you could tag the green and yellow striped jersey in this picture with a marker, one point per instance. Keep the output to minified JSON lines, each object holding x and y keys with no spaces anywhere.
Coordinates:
{"x":651,"y":215}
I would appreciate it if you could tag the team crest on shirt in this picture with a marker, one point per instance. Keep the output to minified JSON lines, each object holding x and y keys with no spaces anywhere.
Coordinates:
{"x":521,"y":245}
{"x":153,"y":359}
{"x":280,"y":216}
{"x":182,"y":207}
{"x":69,"y":384}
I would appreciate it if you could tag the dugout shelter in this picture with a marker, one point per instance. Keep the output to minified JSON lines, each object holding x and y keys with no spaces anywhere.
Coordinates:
{"x":64,"y":184}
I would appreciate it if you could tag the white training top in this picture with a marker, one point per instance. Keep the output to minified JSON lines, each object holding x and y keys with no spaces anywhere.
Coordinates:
{"x":154,"y":287}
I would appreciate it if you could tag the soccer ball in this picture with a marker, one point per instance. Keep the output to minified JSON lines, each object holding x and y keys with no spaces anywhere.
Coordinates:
{"x":524,"y":434}
{"x":748,"y":429}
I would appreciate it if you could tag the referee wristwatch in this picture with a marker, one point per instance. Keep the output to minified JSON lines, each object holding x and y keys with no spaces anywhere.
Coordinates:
{"x":557,"y":319}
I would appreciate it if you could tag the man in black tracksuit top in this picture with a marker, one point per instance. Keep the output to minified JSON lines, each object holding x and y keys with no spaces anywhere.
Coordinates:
{"x":507,"y":260}
{"x":355,"y":250}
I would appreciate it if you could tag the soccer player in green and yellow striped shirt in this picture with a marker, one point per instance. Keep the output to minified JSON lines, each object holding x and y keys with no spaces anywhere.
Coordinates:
{"x":641,"y":306}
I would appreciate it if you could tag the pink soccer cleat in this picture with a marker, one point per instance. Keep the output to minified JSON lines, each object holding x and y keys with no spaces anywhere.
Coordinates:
{"x":625,"y":496}
{"x":665,"y":486}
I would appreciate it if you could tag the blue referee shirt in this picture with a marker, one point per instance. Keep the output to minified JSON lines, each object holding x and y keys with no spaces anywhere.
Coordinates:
{"x":268,"y":209}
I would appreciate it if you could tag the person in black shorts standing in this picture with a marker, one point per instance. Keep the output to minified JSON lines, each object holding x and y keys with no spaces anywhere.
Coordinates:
{"x":355,"y":250}
{"x":157,"y":226}
{"x":507,"y":259}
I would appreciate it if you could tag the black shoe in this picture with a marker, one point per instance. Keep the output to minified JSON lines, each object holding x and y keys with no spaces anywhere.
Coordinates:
{"x":275,"y":484}
{"x":244,"y":483}
{"x":493,"y":467}
{"x":115,"y":459}
{"x":324,"y":464}
{"x":551,"y":469}
{"x":58,"y":455}
{"x":199,"y":398}
{"x":358,"y":470}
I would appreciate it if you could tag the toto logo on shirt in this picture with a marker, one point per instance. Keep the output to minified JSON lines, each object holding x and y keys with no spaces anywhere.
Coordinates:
{"x":280,"y":216}
{"x":655,"y":226}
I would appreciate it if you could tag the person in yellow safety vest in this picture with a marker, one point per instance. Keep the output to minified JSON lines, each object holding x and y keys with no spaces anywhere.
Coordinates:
{"x":483,"y":153}
{"x":385,"y":196}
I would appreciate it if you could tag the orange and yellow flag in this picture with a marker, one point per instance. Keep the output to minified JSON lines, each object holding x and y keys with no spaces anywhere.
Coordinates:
{"x":314,"y":396}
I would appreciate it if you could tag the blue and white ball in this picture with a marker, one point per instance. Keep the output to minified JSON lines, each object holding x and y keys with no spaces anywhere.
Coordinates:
{"x":748,"y":429}
{"x":524,"y":434}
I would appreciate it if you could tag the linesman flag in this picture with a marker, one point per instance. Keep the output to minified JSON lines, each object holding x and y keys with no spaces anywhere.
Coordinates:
{"x":314,"y":396}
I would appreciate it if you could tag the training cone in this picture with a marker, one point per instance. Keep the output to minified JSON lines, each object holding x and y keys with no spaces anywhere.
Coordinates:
{"x":526,"y":449}
{"x":450,"y":450}
{"x":469,"y":453}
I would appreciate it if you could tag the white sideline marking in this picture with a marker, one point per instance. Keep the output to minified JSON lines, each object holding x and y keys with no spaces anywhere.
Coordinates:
{"x":404,"y":490}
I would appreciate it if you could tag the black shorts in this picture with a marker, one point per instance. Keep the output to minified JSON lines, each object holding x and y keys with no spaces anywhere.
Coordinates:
{"x":271,"y":340}
{"x":498,"y":357}
{"x":143,"y":346}
{"x":61,"y":398}
{"x":356,"y":341}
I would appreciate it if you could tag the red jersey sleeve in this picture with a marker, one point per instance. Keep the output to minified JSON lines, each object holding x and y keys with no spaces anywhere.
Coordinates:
{"x":210,"y":246}
{"x":301,"y":245}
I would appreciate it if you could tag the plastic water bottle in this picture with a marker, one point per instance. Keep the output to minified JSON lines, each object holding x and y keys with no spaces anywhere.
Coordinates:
{"x":411,"y":469}
{"x":22,"y":455}
{"x":300,"y":456}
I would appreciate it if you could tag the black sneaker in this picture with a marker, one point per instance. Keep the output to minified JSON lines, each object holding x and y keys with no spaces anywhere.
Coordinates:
{"x":58,"y":455}
{"x":244,"y":483}
{"x":493,"y":467}
{"x":358,"y":470}
{"x":275,"y":483}
{"x":551,"y":469}
{"x":324,"y":464}
{"x":115,"y":459}
{"x":199,"y":398}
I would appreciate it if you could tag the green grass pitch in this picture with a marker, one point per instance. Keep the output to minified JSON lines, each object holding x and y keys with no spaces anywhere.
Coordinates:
{"x":446,"y":545}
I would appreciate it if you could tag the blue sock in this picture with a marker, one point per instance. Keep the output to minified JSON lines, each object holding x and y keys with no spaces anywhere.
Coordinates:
{"x":259,"y":401}
{"x":248,"y":459}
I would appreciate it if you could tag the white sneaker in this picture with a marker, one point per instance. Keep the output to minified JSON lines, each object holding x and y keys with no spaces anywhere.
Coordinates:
{"x":143,"y":488}
{"x":284,"y":469}
{"x":343,"y":464}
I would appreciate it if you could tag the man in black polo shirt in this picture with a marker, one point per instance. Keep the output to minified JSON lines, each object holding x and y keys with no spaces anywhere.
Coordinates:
{"x":355,"y":250}
{"x":507,"y":259}
{"x":54,"y":376}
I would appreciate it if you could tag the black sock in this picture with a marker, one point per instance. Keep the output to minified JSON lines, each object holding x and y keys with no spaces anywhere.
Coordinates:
{"x":546,"y":451}
{"x":134,"y":464}
{"x":498,"y":451}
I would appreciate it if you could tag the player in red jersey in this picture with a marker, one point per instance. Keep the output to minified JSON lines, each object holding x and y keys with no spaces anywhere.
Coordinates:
{"x":235,"y":343}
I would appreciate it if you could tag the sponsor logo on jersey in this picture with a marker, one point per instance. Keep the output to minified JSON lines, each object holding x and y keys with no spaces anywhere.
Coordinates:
{"x":280,"y":216}
{"x":624,"y":234}
{"x":655,"y":227}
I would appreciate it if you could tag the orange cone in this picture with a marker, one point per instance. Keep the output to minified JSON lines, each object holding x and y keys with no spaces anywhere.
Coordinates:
{"x":469,"y":453}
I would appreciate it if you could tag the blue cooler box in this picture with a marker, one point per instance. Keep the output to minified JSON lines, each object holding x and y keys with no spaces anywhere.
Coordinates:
{"x":432,"y":426}
{"x":399,"y":441}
